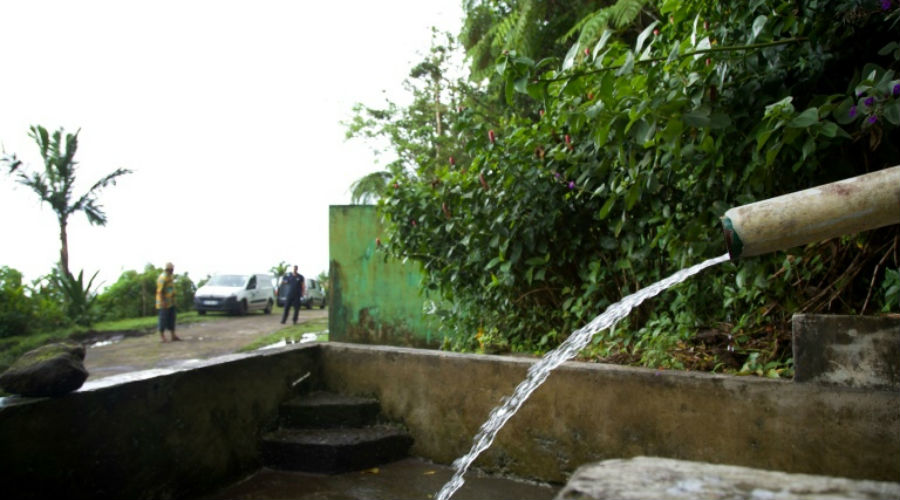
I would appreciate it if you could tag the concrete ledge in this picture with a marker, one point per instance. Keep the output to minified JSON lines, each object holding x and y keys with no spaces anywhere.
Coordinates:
{"x":647,"y":478}
{"x":591,"y":412}
{"x":186,"y":433}
{"x":173,"y":435}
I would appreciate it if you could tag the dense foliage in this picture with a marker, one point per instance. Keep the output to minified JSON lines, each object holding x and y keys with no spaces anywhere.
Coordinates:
{"x":16,"y":310}
{"x":134,"y":294}
{"x":30,"y":308}
{"x":539,"y":197}
{"x":55,"y":301}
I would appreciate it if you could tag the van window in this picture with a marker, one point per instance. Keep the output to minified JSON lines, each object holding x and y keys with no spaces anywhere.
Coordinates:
{"x":252,"y":284}
{"x":232,"y":280}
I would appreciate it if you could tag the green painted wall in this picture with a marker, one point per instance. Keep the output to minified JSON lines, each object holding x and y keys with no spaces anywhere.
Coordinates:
{"x":374,"y":299}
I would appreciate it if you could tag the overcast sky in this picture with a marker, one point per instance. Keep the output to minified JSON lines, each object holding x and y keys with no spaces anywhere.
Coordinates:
{"x":227,"y":111}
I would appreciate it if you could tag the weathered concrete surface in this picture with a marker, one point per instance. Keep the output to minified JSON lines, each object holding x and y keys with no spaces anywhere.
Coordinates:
{"x":854,"y":351}
{"x":648,"y":478}
{"x":180,"y":433}
{"x":407,"y":479}
{"x":591,"y":412}
{"x":174,"y":435}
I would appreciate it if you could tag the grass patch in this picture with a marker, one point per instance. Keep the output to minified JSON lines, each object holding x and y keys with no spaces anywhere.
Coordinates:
{"x":293,"y":333}
{"x":150,"y":322}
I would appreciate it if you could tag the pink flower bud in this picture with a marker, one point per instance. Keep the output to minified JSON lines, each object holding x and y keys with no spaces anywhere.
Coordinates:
{"x":491,"y":136}
{"x":452,"y":161}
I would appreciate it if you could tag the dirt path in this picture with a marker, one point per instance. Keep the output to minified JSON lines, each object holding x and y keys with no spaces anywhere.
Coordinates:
{"x":199,"y":341}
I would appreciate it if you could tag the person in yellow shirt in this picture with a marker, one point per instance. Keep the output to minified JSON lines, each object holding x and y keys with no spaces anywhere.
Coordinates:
{"x":165,"y":302}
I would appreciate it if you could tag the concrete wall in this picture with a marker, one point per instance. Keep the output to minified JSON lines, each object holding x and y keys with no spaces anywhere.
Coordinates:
{"x":373,"y":299}
{"x":590,"y":412}
{"x":183,"y":434}
{"x":851,"y":351}
{"x":171,"y":436}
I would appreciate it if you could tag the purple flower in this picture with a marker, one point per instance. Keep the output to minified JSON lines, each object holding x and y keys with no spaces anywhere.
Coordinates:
{"x":852,"y":111}
{"x":872,"y":119}
{"x":885,"y":4}
{"x":571,"y":185}
{"x":556,"y":175}
{"x":869,"y":101}
{"x":896,"y":89}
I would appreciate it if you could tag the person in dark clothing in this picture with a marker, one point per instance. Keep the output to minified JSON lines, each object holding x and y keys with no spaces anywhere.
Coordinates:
{"x":296,"y":286}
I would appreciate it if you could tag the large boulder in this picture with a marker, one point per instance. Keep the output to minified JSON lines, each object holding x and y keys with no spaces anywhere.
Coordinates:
{"x":50,"y":370}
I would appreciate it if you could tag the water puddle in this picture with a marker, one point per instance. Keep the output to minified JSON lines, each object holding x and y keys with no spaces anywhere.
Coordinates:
{"x":306,"y":338}
{"x":110,"y":341}
{"x":539,"y":371}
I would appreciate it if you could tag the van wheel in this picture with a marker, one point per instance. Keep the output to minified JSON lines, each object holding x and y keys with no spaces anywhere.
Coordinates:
{"x":322,"y":305}
{"x":201,"y":313}
{"x":242,"y":310}
{"x":268,"y":309}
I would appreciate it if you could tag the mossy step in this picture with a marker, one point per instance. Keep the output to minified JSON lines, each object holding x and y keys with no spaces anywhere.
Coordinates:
{"x":336,"y":450}
{"x":327,"y":410}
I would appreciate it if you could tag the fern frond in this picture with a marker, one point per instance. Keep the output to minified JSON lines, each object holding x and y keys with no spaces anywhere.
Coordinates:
{"x":593,"y":27}
{"x":624,"y":12}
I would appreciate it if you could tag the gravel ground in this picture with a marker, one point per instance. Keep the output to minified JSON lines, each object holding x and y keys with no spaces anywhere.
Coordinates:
{"x":198,"y":341}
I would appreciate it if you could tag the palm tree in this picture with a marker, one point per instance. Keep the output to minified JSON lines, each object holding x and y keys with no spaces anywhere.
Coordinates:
{"x":54,"y":185}
{"x":369,"y":187}
{"x":279,"y":270}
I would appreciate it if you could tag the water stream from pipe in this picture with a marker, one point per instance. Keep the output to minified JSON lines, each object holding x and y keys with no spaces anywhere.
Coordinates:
{"x":539,"y":371}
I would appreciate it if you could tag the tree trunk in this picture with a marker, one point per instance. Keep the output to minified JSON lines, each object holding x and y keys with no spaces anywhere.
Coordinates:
{"x":437,"y":118}
{"x":63,"y":247}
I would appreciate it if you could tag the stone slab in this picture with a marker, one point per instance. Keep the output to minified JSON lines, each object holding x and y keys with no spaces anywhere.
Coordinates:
{"x":852,"y":351}
{"x":649,"y":478}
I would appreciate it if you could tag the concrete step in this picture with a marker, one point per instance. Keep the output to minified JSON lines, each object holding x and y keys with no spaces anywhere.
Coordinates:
{"x":327,"y":410}
{"x":334,"y":450}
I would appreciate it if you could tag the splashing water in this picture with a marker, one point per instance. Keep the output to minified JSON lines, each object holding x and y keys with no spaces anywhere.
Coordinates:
{"x":539,"y":371}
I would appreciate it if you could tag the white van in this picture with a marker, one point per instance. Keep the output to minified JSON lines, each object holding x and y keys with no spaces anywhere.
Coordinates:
{"x":315,"y":295}
{"x":236,"y":294}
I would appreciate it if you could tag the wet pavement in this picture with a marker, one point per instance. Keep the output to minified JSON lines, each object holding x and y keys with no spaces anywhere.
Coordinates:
{"x":199,"y":341}
{"x":407,"y":479}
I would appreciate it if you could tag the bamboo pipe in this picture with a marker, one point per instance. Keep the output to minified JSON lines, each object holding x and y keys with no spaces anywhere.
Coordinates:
{"x":849,"y":206}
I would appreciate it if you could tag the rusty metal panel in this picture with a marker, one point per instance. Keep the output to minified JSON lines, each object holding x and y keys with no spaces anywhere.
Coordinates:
{"x":374,"y":299}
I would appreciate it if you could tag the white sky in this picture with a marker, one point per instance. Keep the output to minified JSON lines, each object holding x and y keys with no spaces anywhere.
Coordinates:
{"x":227,"y":111}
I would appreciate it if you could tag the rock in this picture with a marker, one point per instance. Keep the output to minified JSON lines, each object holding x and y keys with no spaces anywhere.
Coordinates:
{"x":50,"y":370}
{"x":649,"y":478}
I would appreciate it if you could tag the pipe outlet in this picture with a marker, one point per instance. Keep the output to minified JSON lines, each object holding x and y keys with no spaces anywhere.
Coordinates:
{"x":849,"y":206}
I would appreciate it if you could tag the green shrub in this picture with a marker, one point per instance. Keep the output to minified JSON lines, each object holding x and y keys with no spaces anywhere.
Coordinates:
{"x":134,"y":294}
{"x":16,"y":308}
{"x":609,"y":171}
